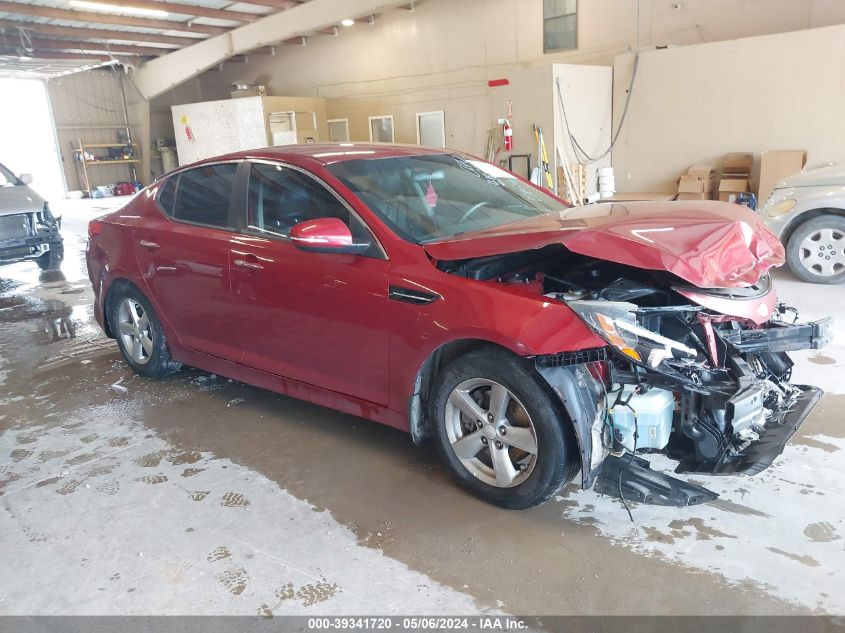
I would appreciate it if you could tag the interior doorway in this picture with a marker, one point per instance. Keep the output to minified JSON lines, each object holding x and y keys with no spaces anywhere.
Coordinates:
{"x":29,"y":140}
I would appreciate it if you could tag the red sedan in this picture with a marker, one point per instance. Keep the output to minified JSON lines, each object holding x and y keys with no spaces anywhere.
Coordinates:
{"x":439,"y":294}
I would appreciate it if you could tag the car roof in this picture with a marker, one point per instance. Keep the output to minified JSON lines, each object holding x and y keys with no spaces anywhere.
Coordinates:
{"x":328,"y":153}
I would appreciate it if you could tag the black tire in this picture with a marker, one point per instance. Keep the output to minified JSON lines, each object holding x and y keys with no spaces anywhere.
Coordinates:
{"x":794,"y":249}
{"x":159,"y":362}
{"x":52,"y":259}
{"x":556,"y":461}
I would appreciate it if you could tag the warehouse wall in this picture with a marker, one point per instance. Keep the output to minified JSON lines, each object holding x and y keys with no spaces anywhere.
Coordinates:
{"x":693,"y":104}
{"x":87,"y":107}
{"x":404,"y":51}
{"x":441,"y":55}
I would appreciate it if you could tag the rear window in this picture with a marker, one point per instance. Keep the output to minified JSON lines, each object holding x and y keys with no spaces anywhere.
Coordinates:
{"x":203,"y":194}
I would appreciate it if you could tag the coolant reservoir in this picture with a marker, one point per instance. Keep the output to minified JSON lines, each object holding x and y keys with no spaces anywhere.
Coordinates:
{"x":653,"y":421}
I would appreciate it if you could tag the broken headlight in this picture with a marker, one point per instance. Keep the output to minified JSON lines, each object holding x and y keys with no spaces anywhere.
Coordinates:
{"x":616,"y":323}
{"x":46,"y":217}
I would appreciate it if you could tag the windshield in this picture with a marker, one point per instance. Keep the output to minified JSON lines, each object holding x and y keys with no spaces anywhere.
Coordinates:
{"x":7,"y":178}
{"x":436,"y":196}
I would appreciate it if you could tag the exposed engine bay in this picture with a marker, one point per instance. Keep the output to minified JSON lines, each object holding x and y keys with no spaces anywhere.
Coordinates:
{"x":698,"y":374}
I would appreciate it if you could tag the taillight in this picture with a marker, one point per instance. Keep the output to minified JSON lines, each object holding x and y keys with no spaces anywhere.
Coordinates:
{"x":95,"y":227}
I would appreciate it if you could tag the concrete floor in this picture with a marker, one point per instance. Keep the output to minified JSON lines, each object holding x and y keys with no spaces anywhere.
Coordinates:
{"x":196,"y":494}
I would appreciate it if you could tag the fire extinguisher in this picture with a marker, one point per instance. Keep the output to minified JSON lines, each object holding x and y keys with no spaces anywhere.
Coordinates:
{"x":507,"y":132}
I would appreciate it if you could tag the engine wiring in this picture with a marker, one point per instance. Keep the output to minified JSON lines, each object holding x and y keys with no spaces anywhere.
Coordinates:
{"x":638,"y":390}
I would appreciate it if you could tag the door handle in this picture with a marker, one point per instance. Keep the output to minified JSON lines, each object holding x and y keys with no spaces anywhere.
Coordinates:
{"x":242,"y":263}
{"x":150,"y":246}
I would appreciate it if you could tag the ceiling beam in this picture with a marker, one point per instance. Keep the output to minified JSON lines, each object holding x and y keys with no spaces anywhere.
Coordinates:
{"x":187,"y":9}
{"x":40,"y":44}
{"x":12,"y":26}
{"x":108,"y":18}
{"x":275,"y":4}
{"x":57,"y":55}
{"x":159,"y":75}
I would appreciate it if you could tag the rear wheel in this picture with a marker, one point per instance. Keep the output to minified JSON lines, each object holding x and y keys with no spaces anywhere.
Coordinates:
{"x":139,"y":334}
{"x":816,"y":250}
{"x":500,"y":430}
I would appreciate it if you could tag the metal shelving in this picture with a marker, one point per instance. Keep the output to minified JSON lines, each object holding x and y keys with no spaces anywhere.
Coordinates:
{"x":82,"y":162}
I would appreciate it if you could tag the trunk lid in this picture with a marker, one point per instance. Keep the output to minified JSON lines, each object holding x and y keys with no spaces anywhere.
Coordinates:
{"x":707,"y":244}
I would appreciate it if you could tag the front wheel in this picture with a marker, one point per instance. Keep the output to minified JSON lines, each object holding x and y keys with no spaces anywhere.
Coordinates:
{"x":52,"y":259}
{"x":501,"y":431}
{"x":139,"y":334}
{"x":816,"y":250}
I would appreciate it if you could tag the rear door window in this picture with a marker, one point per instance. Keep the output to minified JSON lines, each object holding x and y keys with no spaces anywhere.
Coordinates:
{"x":167,"y":196}
{"x":203,"y":194}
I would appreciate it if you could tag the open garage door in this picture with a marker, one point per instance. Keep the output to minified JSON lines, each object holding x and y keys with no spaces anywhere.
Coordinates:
{"x":29,"y":142}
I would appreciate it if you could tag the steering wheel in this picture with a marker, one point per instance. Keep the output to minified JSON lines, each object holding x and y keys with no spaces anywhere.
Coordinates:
{"x":472,"y":210}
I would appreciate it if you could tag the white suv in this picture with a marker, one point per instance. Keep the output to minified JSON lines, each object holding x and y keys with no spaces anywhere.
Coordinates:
{"x":28,"y":231}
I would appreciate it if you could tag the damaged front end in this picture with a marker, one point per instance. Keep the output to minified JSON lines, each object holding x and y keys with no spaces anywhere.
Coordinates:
{"x":711,"y":390}
{"x":695,"y":362}
{"x":28,"y":235}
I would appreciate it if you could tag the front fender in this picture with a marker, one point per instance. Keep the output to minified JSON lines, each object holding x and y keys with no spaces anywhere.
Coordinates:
{"x":582,"y":396}
{"x":808,"y":200}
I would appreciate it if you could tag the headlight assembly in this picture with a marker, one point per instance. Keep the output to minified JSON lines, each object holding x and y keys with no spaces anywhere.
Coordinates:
{"x":616,"y":323}
{"x":46,"y":217}
{"x":784,"y":206}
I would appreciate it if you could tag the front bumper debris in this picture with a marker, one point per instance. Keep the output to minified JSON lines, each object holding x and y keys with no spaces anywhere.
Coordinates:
{"x":640,"y":483}
{"x":760,"y":454}
{"x":633,"y":479}
{"x":781,"y":338}
{"x":28,"y":247}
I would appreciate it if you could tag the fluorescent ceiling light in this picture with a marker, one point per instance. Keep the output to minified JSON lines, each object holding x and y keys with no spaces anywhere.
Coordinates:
{"x":114,"y":8}
{"x":348,"y":22}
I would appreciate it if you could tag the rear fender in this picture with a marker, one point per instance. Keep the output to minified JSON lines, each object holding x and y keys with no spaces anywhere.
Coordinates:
{"x":122,"y":276}
{"x":582,"y":395}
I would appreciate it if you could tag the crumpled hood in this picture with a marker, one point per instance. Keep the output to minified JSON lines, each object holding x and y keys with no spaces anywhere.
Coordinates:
{"x":708,"y":244}
{"x":19,"y":199}
{"x":832,"y":175}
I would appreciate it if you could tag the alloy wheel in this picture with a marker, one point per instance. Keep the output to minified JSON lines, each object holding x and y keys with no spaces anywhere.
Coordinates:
{"x":135,"y":330}
{"x":822,"y":252}
{"x":491,"y":432}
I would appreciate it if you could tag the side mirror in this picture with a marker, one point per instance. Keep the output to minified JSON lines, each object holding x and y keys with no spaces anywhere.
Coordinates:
{"x":326,"y":235}
{"x":25,"y":178}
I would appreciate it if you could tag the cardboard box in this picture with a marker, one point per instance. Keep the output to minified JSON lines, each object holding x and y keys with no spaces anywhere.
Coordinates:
{"x":731,"y":186}
{"x":776,"y":165}
{"x":702,"y":172}
{"x":737,"y":164}
{"x":693,"y":184}
{"x":636,"y":196}
{"x":693,"y":196}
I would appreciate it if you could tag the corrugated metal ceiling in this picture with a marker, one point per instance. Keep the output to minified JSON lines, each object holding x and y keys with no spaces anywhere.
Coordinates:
{"x":89,"y":37}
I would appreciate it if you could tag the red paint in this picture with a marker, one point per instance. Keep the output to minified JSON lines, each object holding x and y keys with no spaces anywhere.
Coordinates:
{"x":496,"y":83}
{"x":320,"y":326}
{"x":757,"y":310}
{"x":708,"y":244}
{"x":324,"y":233}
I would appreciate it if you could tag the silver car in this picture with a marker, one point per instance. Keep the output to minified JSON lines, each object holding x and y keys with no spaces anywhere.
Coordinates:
{"x":807,"y":212}
{"x":28,"y":230}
